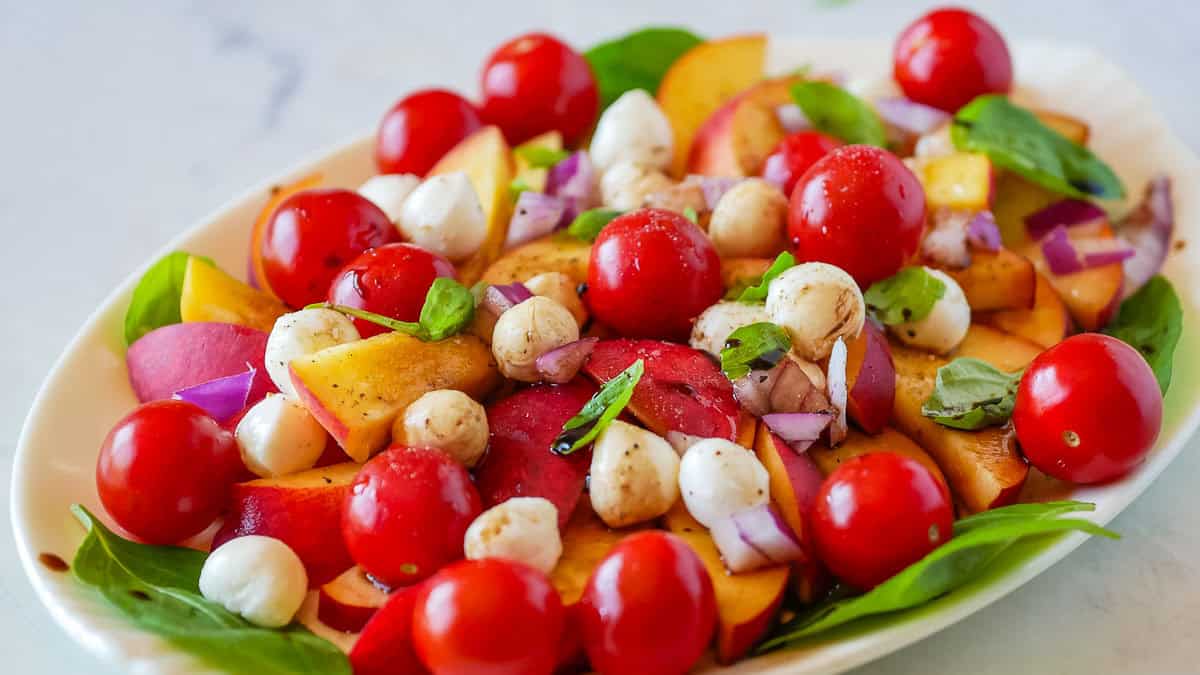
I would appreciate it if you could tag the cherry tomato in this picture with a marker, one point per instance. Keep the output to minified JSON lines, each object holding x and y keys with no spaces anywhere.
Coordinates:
{"x":858,"y":208}
{"x":165,"y":471}
{"x":1088,"y":409}
{"x":391,"y":280}
{"x":312,"y":235}
{"x":950,"y":56}
{"x":795,"y":154}
{"x":651,"y":273}
{"x":877,"y":514}
{"x":420,"y":128}
{"x":491,"y":616}
{"x":534,"y":84}
{"x":407,"y":512}
{"x":649,"y":607}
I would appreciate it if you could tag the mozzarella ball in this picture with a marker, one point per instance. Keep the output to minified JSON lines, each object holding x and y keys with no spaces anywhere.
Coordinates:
{"x":448,"y":420}
{"x":634,"y":475}
{"x":562,"y":289}
{"x":816,"y":303}
{"x":714,"y":325}
{"x":522,"y":529}
{"x":388,"y":191}
{"x":278,"y":436}
{"x":626,"y":185}
{"x":300,"y":334}
{"x":936,"y":143}
{"x":946,"y":324}
{"x":749,"y":220}
{"x":718,"y":478}
{"x":259,"y":578}
{"x":443,"y":215}
{"x":633,"y":129}
{"x":528,"y":330}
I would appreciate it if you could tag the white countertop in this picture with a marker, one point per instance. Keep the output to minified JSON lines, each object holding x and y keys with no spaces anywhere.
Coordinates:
{"x":123,"y":122}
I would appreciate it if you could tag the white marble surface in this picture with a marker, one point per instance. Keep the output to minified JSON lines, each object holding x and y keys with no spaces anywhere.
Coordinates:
{"x":123,"y":122}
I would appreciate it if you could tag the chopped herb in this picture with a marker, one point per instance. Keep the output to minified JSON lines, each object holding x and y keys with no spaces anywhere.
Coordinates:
{"x":539,"y":156}
{"x":588,"y":224}
{"x":758,"y":292}
{"x":908,"y":296}
{"x":599,"y":412}
{"x":971,"y":394}
{"x":758,"y":346}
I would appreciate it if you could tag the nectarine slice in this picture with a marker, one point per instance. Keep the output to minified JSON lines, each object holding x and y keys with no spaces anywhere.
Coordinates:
{"x":871,"y":379}
{"x":257,"y":269}
{"x":1000,"y":280}
{"x":1092,"y":295}
{"x":743,"y":272}
{"x":554,"y":253}
{"x":962,"y":180}
{"x":209,"y":294}
{"x":857,"y":444}
{"x":585,"y":541}
{"x":1047,"y":323}
{"x":349,"y":601}
{"x":737,"y":138}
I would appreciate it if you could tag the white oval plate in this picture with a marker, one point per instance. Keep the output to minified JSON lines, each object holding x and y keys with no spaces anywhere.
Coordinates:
{"x":87,"y":391}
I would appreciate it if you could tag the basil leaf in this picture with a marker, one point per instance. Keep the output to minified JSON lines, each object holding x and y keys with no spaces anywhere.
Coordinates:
{"x":758,"y":346}
{"x":690,"y":214}
{"x":837,"y":112}
{"x":588,"y":224}
{"x":599,"y":412}
{"x":1013,"y":138}
{"x":155,"y":301}
{"x":979,"y":540}
{"x":637,"y":60}
{"x":758,"y":292}
{"x":517,"y":186}
{"x":539,"y":156}
{"x":157,"y":588}
{"x":908,"y":296}
{"x":448,"y":309}
{"x":1151,"y":321}
{"x":406,"y":327}
{"x":970,"y":394}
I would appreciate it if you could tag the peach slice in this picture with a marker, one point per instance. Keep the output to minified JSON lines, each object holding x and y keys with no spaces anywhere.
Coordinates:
{"x":1093,"y":295}
{"x":738,"y":137}
{"x":962,"y":180}
{"x":1009,"y":353}
{"x":857,"y":444}
{"x":1000,"y":280}
{"x":1074,"y":129}
{"x":554,"y":253}
{"x":1047,"y":323}
{"x":348,"y":602}
{"x":743,"y":272}
{"x":257,"y":269}
{"x":181,"y":355}
{"x":871,"y":378}
{"x":212,"y":295}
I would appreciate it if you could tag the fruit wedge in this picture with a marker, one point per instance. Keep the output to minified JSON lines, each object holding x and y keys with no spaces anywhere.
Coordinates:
{"x":1000,"y":280}
{"x":1092,"y":295}
{"x":585,"y":541}
{"x":961,"y":181}
{"x":1046,"y":323}
{"x":181,"y":355}
{"x":257,"y":270}
{"x":871,"y":378}
{"x":349,"y":601}
{"x":554,"y":253}
{"x":212,"y":295}
{"x":742,"y":272}
{"x":857,"y":443}
{"x":1009,"y":353}
{"x":737,"y":138}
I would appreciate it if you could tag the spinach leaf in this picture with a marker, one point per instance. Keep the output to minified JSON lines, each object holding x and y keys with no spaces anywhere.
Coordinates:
{"x":907,"y":296}
{"x":971,"y":394}
{"x":759,"y":346}
{"x":637,"y":60}
{"x":155,"y":301}
{"x":1151,"y":321}
{"x":758,"y":292}
{"x":837,"y":112}
{"x":599,"y":412}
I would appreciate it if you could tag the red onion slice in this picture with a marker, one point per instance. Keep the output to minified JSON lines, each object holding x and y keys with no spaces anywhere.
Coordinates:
{"x":562,"y":364}
{"x":535,"y":215}
{"x":776,"y":171}
{"x":516,"y":292}
{"x":575,"y":178}
{"x":1148,"y":229}
{"x":800,"y":429}
{"x":983,"y":233}
{"x":754,"y":538}
{"x":791,"y":118}
{"x":1060,"y":255}
{"x":223,"y":397}
{"x":838,"y":392}
{"x":1068,"y":212}
{"x":1065,"y":256}
{"x":499,"y":299}
{"x":713,"y":187}
{"x":909,"y":117}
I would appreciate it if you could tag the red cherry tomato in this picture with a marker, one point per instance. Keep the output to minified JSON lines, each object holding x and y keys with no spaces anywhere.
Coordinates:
{"x":877,"y":514}
{"x":165,"y":471}
{"x":795,"y":154}
{"x":312,"y":235}
{"x":648,"y":607}
{"x":534,"y":84}
{"x":391,"y":280}
{"x":488,"y":616}
{"x":420,"y":128}
{"x":407,"y":512}
{"x":950,"y":56}
{"x":651,"y":273}
{"x":858,"y":208}
{"x":1088,"y":409}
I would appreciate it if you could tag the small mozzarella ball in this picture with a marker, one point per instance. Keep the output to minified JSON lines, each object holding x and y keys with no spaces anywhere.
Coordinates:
{"x":443,"y":215}
{"x":259,"y":578}
{"x":528,"y":330}
{"x":718,"y":478}
{"x":634,"y":475}
{"x":817,"y":303}
{"x":278,"y":436}
{"x":561,"y":289}
{"x":300,"y":334}
{"x":946,"y":324}
{"x":872,"y":88}
{"x":714,"y":325}
{"x":749,"y":220}
{"x":522,"y":529}
{"x":633,"y":129}
{"x":448,"y":420}
{"x":388,"y":191}
{"x":626,"y":185}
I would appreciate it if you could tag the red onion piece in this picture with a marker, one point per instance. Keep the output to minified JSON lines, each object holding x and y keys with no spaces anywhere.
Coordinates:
{"x":983,"y":233}
{"x":535,"y":215}
{"x":838,"y":392}
{"x":945,"y":244}
{"x":1060,"y":254}
{"x":516,"y":292}
{"x":562,"y":364}
{"x":791,"y":118}
{"x":1065,"y":256}
{"x":754,"y":538}
{"x":1109,"y":257}
{"x":786,"y":388}
{"x":737,"y":553}
{"x":499,"y":299}
{"x":1148,"y":229}
{"x":713,"y":187}
{"x":223,"y":397}
{"x":681,"y":441}
{"x":798,"y":428}
{"x":1068,"y":212}
{"x":909,"y":117}
{"x":575,"y":178}
{"x":775,"y":170}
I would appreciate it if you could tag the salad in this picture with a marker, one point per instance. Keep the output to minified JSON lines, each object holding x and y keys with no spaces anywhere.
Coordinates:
{"x":641,"y":358}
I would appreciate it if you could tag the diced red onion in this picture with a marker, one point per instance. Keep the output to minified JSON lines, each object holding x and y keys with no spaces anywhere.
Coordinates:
{"x":223,"y":397}
{"x":945,"y":244}
{"x":1068,"y":212}
{"x":1065,"y":256}
{"x":575,"y":178}
{"x":983,"y":233}
{"x":516,"y":292}
{"x":800,"y":429}
{"x":561,"y":364}
{"x":786,"y":388}
{"x":1060,"y":254}
{"x":791,"y":118}
{"x":1148,"y":229}
{"x":754,"y":538}
{"x":499,"y":299}
{"x":535,"y":215}
{"x":713,"y":187}
{"x":681,"y":441}
{"x":776,"y":171}
{"x":838,"y":392}
{"x":909,"y":117}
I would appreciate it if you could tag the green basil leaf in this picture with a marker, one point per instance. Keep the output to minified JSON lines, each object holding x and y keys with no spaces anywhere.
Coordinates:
{"x":690,"y":214}
{"x":1014,"y":139}
{"x":637,"y":60}
{"x":758,"y":346}
{"x":517,"y":186}
{"x":908,"y":296}
{"x":406,"y":327}
{"x":155,"y":301}
{"x":588,"y":224}
{"x":541,"y":157}
{"x":448,"y":309}
{"x":970,"y":394}
{"x":599,"y":412}
{"x":758,"y":292}
{"x":1150,"y":321}
{"x":157,"y":588}
{"x":837,"y":112}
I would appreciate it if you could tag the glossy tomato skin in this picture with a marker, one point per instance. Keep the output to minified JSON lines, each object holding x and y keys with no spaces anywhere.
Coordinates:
{"x":651,"y":273}
{"x":950,"y":56}
{"x":391,"y":280}
{"x":165,"y":471}
{"x":795,"y":154}
{"x":877,"y":514}
{"x":649,"y":607}
{"x":488,"y":617}
{"x":858,"y":208}
{"x":535,"y":83}
{"x":1088,"y":409}
{"x":422,"y":127}
{"x":312,"y":235}
{"x":407,"y":512}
